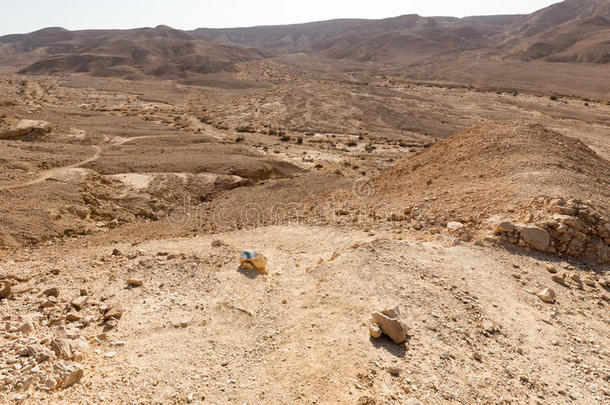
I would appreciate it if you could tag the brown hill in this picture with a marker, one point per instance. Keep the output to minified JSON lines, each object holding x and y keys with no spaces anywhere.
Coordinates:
{"x":363,"y":39}
{"x":498,"y":171}
{"x":571,"y":31}
{"x":159,"y":52}
{"x":496,"y":167}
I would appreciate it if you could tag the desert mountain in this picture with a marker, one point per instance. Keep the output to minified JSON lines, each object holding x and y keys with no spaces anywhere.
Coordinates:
{"x":569,"y":31}
{"x":158,"y":52}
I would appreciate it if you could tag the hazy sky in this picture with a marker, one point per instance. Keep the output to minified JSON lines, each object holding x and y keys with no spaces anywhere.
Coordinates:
{"x":18,"y":16}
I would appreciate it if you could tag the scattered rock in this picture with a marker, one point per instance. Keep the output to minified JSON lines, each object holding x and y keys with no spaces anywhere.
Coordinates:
{"x":393,"y":370}
{"x":24,"y":384}
{"x":78,"y":347}
{"x":375,"y":330}
{"x":49,"y":382}
{"x":5,"y":290}
{"x":79,"y":302}
{"x":115,"y":312}
{"x":477,"y":356}
{"x":20,"y":398}
{"x":69,"y":373}
{"x":504,"y":227}
{"x":390,"y":324}
{"x":51,"y":292}
{"x":455,"y":226}
{"x":218,"y":243}
{"x":62,"y":348}
{"x":559,"y":279}
{"x":551,"y":269}
{"x":547,"y":295}
{"x":27,"y":326}
{"x":134,"y":283}
{"x":74,"y":316}
{"x":39,"y":352}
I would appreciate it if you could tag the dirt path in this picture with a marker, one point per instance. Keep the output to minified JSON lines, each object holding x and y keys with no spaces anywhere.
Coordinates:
{"x":58,"y":171}
{"x":47,"y":174}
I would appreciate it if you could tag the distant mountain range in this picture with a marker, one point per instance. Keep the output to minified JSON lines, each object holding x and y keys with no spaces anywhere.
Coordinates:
{"x":570,"y":31}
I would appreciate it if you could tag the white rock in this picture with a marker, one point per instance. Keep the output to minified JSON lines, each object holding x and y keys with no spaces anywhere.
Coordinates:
{"x":69,"y":373}
{"x":547,"y":295}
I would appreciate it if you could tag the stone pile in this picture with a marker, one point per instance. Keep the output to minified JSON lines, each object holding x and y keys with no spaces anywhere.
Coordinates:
{"x":566,"y":228}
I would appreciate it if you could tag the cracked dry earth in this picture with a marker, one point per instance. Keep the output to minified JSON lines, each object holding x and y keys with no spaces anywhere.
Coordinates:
{"x":197,"y":330}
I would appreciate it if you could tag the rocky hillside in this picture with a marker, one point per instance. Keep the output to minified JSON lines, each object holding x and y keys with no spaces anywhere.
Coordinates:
{"x":160,"y":52}
{"x":497,"y":171}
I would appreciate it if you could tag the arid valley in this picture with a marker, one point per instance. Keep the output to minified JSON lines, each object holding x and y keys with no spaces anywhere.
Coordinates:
{"x":455,"y":169}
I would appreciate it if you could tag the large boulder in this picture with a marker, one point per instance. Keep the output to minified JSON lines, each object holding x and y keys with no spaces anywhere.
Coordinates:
{"x":535,"y":237}
{"x":390,"y":324}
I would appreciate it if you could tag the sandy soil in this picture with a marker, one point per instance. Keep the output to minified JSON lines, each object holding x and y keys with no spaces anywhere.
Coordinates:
{"x":139,"y":199}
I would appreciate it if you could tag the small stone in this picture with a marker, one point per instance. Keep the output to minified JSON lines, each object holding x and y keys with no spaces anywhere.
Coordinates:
{"x":62,"y":348}
{"x":217,"y":243}
{"x":20,"y":398}
{"x":375,"y":330}
{"x":52,"y":292}
{"x":590,"y":282}
{"x":393,"y":370}
{"x":79,"y":302}
{"x":547,"y":295}
{"x":50,"y":302}
{"x":551,"y":269}
{"x":559,"y":279}
{"x":112,"y":323}
{"x":69,"y":373}
{"x":27,"y":326}
{"x":39,"y":352}
{"x":504,"y":227}
{"x":116,"y":252}
{"x":24,"y":384}
{"x":113,"y":312}
{"x":110,"y":355}
{"x":5,"y":290}
{"x":134,"y":283}
{"x":74,"y":316}
{"x":455,"y":226}
{"x":49,"y":382}
{"x":184,"y":323}
{"x":79,"y":347}
{"x":575,"y":276}
{"x":477,"y":356}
